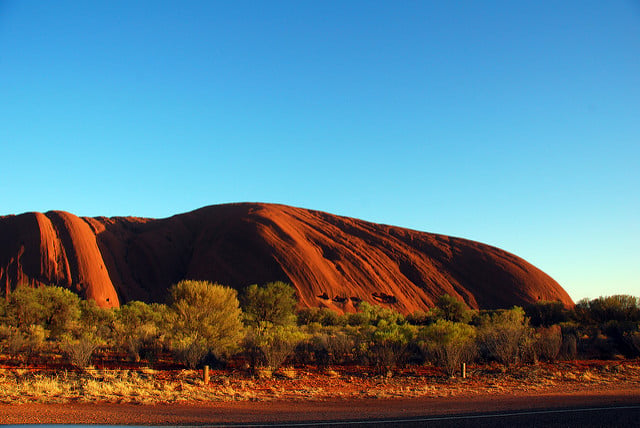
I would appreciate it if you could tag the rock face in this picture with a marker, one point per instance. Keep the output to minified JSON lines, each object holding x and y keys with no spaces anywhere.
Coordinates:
{"x":332,"y":261}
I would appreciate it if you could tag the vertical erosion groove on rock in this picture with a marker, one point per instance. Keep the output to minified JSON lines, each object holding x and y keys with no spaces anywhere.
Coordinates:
{"x":332,"y":261}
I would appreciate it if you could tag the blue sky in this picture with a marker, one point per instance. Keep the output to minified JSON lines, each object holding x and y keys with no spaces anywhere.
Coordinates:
{"x":511,"y":123}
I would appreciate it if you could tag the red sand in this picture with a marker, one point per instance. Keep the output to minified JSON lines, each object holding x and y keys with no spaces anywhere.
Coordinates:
{"x":342,"y":259}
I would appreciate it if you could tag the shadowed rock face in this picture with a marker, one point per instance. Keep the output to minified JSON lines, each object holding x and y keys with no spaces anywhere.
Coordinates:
{"x":332,"y":261}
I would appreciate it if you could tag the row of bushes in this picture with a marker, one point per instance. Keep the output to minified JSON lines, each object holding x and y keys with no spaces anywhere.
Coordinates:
{"x":207,"y":322}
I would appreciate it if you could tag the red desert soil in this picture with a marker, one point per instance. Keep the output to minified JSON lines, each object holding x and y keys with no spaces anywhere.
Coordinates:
{"x":284,"y":411}
{"x":352,"y":394}
{"x":332,"y":261}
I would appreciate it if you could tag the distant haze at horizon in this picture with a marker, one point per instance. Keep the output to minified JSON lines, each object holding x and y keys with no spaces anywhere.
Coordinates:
{"x":515,"y":125}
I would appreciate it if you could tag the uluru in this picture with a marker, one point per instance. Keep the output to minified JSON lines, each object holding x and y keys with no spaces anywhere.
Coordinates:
{"x":332,"y":261}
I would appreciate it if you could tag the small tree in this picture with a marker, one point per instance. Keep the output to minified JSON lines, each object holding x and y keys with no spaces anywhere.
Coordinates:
{"x":332,"y":345}
{"x":275,"y":343}
{"x":449,"y":343}
{"x":388,"y":344}
{"x":546,"y":313}
{"x":53,"y":308}
{"x":22,"y":343}
{"x":369,"y":314}
{"x":204,"y":318}
{"x":100,"y":320}
{"x":274,"y":303}
{"x":503,"y":333}
{"x":79,"y":347}
{"x":633,"y":341}
{"x":620,"y":308}
{"x":451,"y":309}
{"x":322,"y":316}
{"x":548,"y":342}
{"x":139,"y":328}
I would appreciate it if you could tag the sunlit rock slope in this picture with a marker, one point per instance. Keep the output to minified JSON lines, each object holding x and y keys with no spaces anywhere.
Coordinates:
{"x":332,"y":261}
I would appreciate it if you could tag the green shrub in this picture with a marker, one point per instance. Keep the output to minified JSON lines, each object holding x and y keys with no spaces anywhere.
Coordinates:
{"x":503,"y":334}
{"x":548,"y":342}
{"x":389,"y":342}
{"x":622,"y":308}
{"x":102,"y":321}
{"x":369,"y":314}
{"x":79,"y":347}
{"x":545,"y":313}
{"x":340,"y":345}
{"x":203,"y":318}
{"x":22,"y":343}
{"x":332,"y":345}
{"x":322,"y":316}
{"x":307,"y":316}
{"x":3,"y":310}
{"x":358,"y":318}
{"x":421,"y":318}
{"x":53,"y":308}
{"x":633,"y":342}
{"x":449,"y":343}
{"x":191,"y":349}
{"x":274,"y":303}
{"x":139,"y":329}
{"x":269,"y":345}
{"x":451,"y":309}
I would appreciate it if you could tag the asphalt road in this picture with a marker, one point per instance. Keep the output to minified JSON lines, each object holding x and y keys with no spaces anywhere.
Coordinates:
{"x":627,"y":416}
{"x":612,"y":409}
{"x":619,"y":416}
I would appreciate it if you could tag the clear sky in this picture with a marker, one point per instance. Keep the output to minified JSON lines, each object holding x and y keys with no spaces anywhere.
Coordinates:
{"x":512,"y":123}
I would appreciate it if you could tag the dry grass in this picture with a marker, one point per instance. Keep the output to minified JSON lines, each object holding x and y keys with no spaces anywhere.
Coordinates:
{"x":111,"y":386}
{"x":147,"y":386}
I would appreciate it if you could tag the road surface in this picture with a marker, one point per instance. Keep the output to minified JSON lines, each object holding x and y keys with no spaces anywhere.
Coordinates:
{"x":617,"y":408}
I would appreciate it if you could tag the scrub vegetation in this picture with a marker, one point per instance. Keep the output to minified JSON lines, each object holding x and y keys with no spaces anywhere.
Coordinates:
{"x":53,"y":341}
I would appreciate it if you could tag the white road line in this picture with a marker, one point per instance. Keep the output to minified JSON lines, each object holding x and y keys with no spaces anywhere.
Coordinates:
{"x":432,"y":419}
{"x":347,"y":422}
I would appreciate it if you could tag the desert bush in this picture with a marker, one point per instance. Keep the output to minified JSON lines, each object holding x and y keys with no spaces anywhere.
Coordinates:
{"x":25,"y":307}
{"x":369,"y":314}
{"x":3,"y":310}
{"x":421,"y":318}
{"x":191,"y":349}
{"x":203,"y":318}
{"x":451,"y":309}
{"x":332,"y":346}
{"x":633,"y":341}
{"x":570,"y":333}
{"x":594,"y":343}
{"x":102,"y":320}
{"x":546,"y":313}
{"x":139,"y":329}
{"x":268,"y":345}
{"x":340,"y":345}
{"x":388,"y":344}
{"x":569,"y":348}
{"x":620,"y":308}
{"x":318,"y":346}
{"x":307,"y":316}
{"x":53,"y":308}
{"x":548,"y":342}
{"x":604,"y":347}
{"x":527,"y":351}
{"x":10,"y":339}
{"x":22,"y":343}
{"x":502,"y":335}
{"x":357,"y":318}
{"x":79,"y":347}
{"x":274,"y":303}
{"x":322,"y":316}
{"x":449,"y":343}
